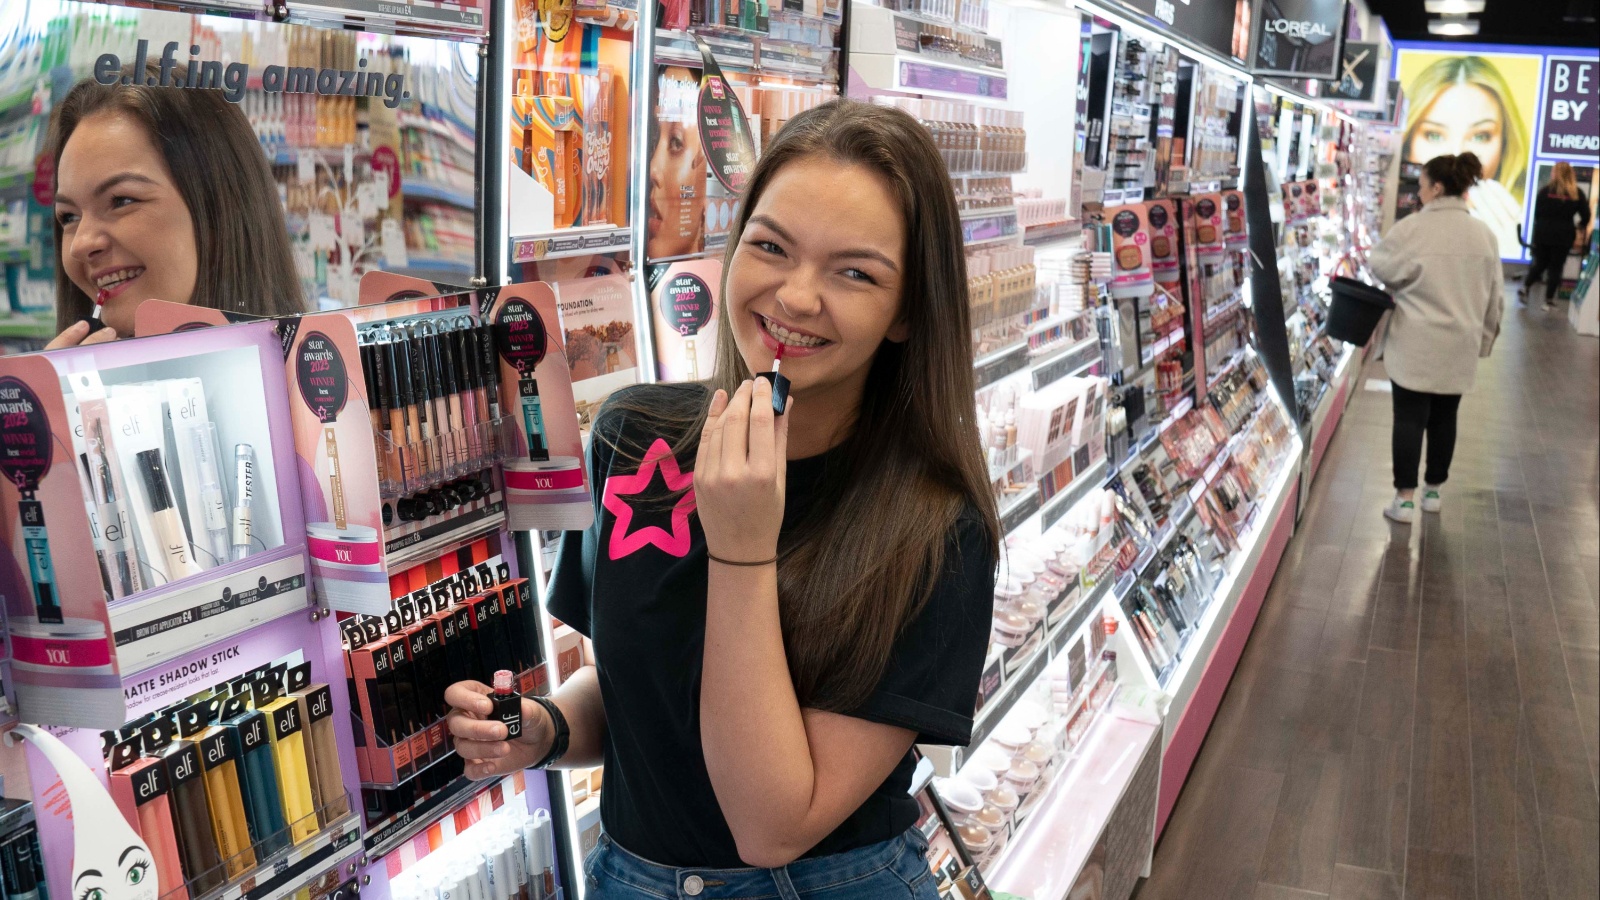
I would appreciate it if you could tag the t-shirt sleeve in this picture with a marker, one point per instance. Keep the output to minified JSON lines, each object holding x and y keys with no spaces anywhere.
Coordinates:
{"x":572,"y":580}
{"x":931,"y":683}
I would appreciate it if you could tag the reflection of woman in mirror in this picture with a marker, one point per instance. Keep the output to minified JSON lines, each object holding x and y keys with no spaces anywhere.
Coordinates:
{"x":1463,"y":104}
{"x":677,"y":198}
{"x":162,"y":193}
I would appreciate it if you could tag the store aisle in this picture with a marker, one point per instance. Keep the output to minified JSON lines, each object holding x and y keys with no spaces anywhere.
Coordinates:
{"x":1416,"y":713}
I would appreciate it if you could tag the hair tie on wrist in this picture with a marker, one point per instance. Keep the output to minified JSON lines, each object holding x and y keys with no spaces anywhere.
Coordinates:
{"x":732,"y":562}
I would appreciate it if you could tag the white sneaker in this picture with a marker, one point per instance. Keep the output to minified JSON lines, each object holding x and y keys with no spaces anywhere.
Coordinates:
{"x":1402,"y":511}
{"x":1430,"y":499}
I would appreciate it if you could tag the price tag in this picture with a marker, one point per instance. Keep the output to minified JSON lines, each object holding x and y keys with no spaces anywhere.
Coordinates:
{"x":393,"y":241}
{"x":355,"y":232}
{"x":369,"y":199}
{"x":305,"y":166}
{"x":322,"y":233}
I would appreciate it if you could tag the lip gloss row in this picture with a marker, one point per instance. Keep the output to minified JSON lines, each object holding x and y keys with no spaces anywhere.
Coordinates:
{"x":435,"y":389}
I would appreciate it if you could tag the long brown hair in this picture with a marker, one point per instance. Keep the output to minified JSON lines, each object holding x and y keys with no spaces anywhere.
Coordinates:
{"x":1564,"y":182}
{"x":241,"y":243}
{"x":862,"y":563}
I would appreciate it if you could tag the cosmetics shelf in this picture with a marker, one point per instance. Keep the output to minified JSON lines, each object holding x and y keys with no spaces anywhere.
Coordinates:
{"x":422,"y":189}
{"x":1182,"y":682}
{"x":413,"y":468}
{"x":1069,"y":361}
{"x":296,"y":867}
{"x":985,"y":226}
{"x":1056,"y":505}
{"x":1174,"y":339}
{"x":163,"y":623}
{"x":567,"y":242}
{"x":453,"y":21}
{"x":1055,"y":231}
{"x":1088,"y":600}
{"x":1081,"y":808}
{"x":387,"y":835}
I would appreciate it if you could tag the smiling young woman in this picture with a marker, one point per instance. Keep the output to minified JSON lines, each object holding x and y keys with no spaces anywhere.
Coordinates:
{"x":774,"y":629}
{"x":162,"y":193}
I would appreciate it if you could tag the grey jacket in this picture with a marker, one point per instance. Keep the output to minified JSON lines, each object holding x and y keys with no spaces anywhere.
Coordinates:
{"x":1443,"y":268}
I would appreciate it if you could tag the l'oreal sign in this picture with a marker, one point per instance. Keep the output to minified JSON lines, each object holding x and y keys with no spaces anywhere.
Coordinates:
{"x":1298,"y":38}
{"x":1296,"y":28}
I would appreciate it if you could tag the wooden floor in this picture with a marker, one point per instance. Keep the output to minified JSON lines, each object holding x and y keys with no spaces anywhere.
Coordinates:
{"x":1416,"y":713}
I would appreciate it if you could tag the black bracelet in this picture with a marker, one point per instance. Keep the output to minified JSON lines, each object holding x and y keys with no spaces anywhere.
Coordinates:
{"x":729,"y":562}
{"x":558,"y":724}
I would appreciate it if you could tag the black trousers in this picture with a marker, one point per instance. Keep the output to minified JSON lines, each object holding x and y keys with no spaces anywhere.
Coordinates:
{"x":1416,"y":414}
{"x":1548,"y":260}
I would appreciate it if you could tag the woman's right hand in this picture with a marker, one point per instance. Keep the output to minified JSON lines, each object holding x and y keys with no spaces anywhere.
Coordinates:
{"x":77,"y":335}
{"x":481,"y":743}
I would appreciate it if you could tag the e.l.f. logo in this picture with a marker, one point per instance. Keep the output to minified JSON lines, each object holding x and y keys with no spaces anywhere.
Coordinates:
{"x":319,"y":706}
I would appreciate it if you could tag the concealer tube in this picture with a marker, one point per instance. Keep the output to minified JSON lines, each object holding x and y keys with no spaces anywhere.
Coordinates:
{"x":191,"y":819}
{"x":289,"y":757}
{"x":469,"y":393}
{"x":401,"y":427}
{"x":452,"y":391}
{"x":383,"y":417}
{"x":164,"y":519}
{"x":219,"y":756}
{"x":422,"y":403}
{"x":438,"y":406}
{"x":468,"y":344}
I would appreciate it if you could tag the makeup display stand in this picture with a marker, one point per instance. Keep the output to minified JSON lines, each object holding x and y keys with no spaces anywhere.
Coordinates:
{"x":174,"y":682}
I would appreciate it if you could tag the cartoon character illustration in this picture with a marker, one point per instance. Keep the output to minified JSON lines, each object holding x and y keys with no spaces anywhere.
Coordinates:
{"x":109,"y":860}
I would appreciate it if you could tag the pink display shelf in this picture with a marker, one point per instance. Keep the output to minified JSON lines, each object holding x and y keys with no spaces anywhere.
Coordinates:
{"x":1051,"y":848}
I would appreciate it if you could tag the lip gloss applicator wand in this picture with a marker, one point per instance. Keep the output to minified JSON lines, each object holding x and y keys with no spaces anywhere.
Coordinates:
{"x":780,"y":384}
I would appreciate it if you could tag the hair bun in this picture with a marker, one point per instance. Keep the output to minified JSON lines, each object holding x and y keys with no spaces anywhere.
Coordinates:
{"x":1470,"y":168}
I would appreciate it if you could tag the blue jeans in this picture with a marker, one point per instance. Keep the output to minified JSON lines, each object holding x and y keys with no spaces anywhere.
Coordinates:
{"x":895,"y":869}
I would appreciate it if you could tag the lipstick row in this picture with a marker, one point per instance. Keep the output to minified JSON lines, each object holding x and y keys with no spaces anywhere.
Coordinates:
{"x":434,"y":392}
{"x":460,"y":617}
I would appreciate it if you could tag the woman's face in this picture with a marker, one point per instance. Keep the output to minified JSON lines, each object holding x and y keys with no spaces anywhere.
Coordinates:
{"x":126,"y":234}
{"x":822,"y":278}
{"x":677,"y":171}
{"x":1463,"y":118}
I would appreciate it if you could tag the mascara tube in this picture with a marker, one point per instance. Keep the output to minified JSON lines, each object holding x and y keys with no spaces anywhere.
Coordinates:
{"x":244,"y":483}
{"x":45,"y":602}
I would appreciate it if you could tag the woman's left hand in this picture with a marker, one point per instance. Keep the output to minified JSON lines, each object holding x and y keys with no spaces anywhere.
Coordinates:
{"x":739,"y":474}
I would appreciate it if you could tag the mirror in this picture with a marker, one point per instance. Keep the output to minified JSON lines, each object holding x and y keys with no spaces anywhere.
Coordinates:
{"x":370,"y":137}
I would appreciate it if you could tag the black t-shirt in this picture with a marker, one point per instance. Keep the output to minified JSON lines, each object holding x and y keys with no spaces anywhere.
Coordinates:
{"x":635,"y":583}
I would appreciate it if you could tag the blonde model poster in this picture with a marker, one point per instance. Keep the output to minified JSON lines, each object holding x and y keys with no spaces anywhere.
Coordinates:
{"x":1480,"y":102}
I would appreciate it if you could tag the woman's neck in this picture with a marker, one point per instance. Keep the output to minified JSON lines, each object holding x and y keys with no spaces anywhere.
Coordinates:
{"x":823,"y":418}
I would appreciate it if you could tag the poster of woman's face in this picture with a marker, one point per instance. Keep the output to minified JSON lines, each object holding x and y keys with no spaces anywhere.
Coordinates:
{"x":1480,"y":103}
{"x":677,"y":198}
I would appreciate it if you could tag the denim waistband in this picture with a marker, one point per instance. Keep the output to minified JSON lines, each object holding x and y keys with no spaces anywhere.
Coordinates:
{"x":799,"y":880}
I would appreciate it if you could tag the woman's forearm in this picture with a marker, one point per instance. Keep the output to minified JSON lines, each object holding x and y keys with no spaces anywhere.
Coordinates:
{"x":752,"y":732}
{"x":579,"y":701}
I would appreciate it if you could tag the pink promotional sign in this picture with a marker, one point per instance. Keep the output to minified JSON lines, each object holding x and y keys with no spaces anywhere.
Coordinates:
{"x":546,"y":487}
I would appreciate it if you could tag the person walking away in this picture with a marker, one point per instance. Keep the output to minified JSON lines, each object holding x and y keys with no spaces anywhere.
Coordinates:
{"x":1560,"y":204}
{"x":1443,"y":267}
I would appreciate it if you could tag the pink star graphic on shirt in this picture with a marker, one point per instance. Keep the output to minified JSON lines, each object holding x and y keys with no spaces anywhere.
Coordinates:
{"x":675,"y":543}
